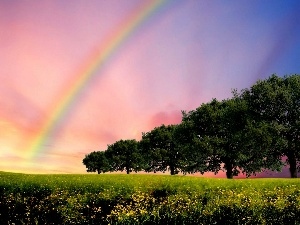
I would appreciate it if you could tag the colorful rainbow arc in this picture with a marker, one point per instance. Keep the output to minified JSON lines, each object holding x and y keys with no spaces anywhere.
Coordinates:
{"x":109,"y":47}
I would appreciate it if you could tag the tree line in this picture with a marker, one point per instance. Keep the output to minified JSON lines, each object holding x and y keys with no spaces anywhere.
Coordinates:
{"x":256,"y":129}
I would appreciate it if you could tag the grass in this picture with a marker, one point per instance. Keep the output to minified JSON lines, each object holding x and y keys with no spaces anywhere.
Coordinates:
{"x":146,"y":199}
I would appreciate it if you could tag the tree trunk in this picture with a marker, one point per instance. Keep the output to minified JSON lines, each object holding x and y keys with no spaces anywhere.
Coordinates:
{"x":127,"y":170}
{"x":293,"y":165}
{"x":229,"y":172}
{"x":172,"y":169}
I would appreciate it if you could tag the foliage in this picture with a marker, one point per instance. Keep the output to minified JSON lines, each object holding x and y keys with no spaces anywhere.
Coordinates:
{"x":125,"y":155}
{"x":146,"y":199}
{"x":276,"y":101}
{"x":255,"y":130}
{"x":162,"y":149}
{"x":96,"y":162}
{"x":224,"y":132}
{"x":194,"y":157}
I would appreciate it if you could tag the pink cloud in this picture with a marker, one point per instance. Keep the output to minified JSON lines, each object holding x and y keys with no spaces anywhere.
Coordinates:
{"x":166,"y":118}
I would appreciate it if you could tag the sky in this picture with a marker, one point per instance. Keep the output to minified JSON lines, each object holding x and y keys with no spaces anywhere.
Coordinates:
{"x":76,"y":76}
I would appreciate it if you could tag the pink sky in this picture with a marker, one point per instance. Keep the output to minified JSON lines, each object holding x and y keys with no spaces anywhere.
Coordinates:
{"x":185,"y":54}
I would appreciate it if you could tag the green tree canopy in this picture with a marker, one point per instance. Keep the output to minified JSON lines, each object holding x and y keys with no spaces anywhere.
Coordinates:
{"x":276,"y":101}
{"x":125,"y":155}
{"x":96,"y":162}
{"x":223,"y":129}
{"x":194,"y":158}
{"x":161,"y":149}
{"x":256,"y":129}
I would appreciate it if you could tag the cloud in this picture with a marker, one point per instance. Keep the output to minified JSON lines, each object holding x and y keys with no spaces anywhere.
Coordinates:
{"x":166,"y":118}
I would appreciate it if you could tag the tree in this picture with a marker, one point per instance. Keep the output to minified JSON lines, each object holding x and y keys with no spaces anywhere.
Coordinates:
{"x":96,"y":162}
{"x":161,"y":149}
{"x":193,"y":156}
{"x":223,"y":129}
{"x":276,"y":101}
{"x":125,"y":155}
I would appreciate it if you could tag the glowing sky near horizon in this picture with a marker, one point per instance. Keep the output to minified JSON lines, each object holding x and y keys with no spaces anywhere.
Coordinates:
{"x":186,"y":53}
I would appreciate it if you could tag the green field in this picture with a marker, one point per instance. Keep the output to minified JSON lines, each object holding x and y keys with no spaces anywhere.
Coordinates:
{"x":146,"y":199}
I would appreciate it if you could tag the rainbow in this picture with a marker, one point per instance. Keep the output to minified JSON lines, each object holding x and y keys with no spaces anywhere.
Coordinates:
{"x":90,"y":70}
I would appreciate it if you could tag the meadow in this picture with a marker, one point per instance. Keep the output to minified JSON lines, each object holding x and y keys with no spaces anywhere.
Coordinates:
{"x":146,"y":199}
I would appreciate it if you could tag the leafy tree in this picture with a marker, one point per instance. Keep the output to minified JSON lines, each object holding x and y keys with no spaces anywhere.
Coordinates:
{"x":161,"y":149}
{"x":96,"y":162}
{"x":125,"y":155}
{"x":276,"y":101}
{"x":223,"y":129}
{"x":193,"y":156}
